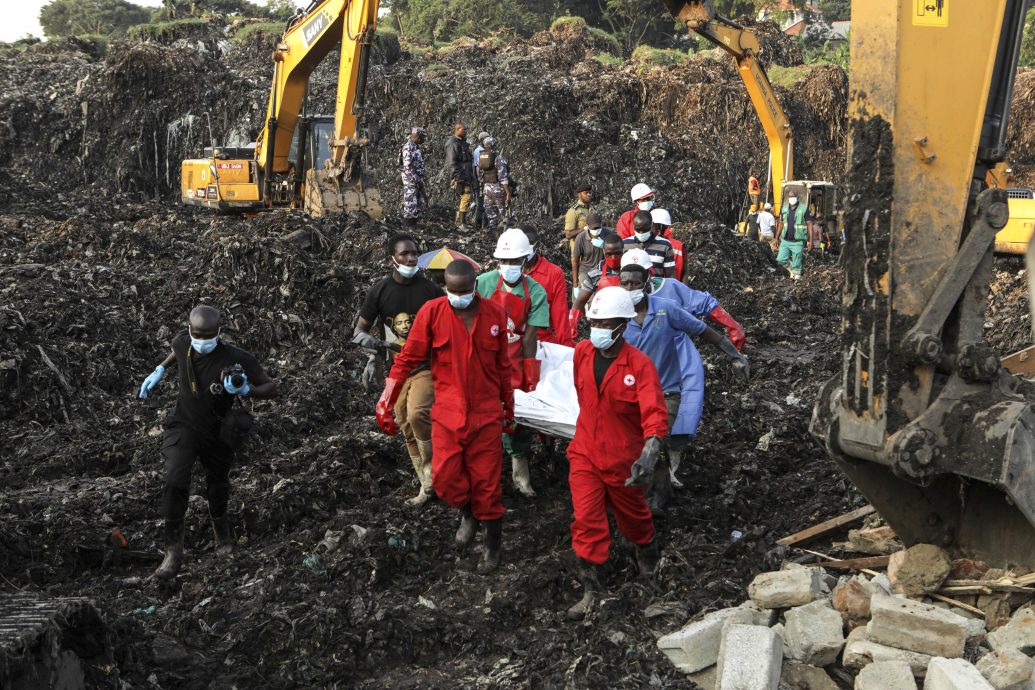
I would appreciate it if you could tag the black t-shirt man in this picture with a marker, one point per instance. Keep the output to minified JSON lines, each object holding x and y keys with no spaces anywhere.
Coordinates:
{"x":390,"y":302}
{"x":201,"y":401}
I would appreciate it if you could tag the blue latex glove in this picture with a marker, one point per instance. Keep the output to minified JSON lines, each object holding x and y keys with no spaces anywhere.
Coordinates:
{"x":234,"y":390}
{"x":151,"y":381}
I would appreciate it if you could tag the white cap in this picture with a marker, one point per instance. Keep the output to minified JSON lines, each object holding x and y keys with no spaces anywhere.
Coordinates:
{"x":637,"y":257}
{"x":660,"y":216}
{"x":512,"y":244}
{"x":768,"y":206}
{"x":639,"y":191}
{"x":611,"y":303}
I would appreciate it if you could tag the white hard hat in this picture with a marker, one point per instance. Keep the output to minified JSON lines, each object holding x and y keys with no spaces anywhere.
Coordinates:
{"x":637,"y":257}
{"x":611,"y":303}
{"x":512,"y":244}
{"x":639,"y":191}
{"x":660,"y":216}
{"x":768,"y":206}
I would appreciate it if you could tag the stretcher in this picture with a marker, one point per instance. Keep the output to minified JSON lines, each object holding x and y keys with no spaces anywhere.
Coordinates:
{"x":553,"y":407}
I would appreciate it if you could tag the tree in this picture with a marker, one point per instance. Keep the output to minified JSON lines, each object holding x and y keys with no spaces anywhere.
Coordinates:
{"x":102,"y":17}
{"x":835,"y":10}
{"x":1028,"y":41}
{"x":633,"y":23}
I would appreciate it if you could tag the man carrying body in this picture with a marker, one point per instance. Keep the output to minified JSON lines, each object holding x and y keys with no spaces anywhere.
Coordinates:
{"x":398,"y":298}
{"x":551,"y":277}
{"x":458,"y":168}
{"x":465,"y":337}
{"x":618,"y":437}
{"x":794,"y":233}
{"x":576,"y":216}
{"x":494,"y":180}
{"x":643,"y":200}
{"x":527,"y":307}
{"x":659,"y":249}
{"x":207,"y":392}
{"x":587,"y":251}
{"x":605,"y":274}
{"x":766,"y":224}
{"x":414,"y":197}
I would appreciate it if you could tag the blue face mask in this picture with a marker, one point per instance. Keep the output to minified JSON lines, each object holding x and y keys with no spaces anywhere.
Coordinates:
{"x":636,"y":296}
{"x":511,"y":274}
{"x":460,"y":301}
{"x":203,"y":347}
{"x":407,"y":271}
{"x":646,"y":205}
{"x":602,"y":338}
{"x":597,"y":242}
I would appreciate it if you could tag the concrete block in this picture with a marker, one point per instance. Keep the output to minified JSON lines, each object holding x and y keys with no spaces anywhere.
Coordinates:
{"x":886,"y":675}
{"x":954,"y":674}
{"x":920,"y":569}
{"x":1018,"y":633}
{"x":814,"y":633}
{"x":861,"y":651}
{"x":750,"y":658}
{"x":804,"y":677}
{"x":696,"y":646}
{"x":705,"y":679}
{"x":1009,"y":669}
{"x":916,"y":627}
{"x":759,"y":615}
{"x":785,"y":588}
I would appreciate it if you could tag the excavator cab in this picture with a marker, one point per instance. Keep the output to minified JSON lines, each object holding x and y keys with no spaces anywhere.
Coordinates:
{"x":821,"y":199}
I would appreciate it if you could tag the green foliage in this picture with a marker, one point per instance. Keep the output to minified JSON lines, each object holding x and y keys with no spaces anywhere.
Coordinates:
{"x":608,"y":59}
{"x":835,"y":10}
{"x":165,"y":32}
{"x":737,"y":8}
{"x":435,"y":70}
{"x":94,"y":45}
{"x":263,"y":32}
{"x":830,"y":52}
{"x":444,"y":20}
{"x":788,"y":76}
{"x":568,"y":23}
{"x":280,"y":10}
{"x":82,"y":17}
{"x":634,"y":22}
{"x":1028,"y":41}
{"x":649,"y":56}
{"x":602,"y":38}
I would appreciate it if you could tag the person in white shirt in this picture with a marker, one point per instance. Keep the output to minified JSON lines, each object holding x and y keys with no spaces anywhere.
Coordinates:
{"x":766,"y":223}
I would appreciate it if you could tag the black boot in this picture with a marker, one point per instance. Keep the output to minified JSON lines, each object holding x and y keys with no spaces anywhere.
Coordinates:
{"x":468,"y":525}
{"x":589,"y":577}
{"x":173,"y":560}
{"x":647,"y":557}
{"x":224,"y":535}
{"x":493,"y":546}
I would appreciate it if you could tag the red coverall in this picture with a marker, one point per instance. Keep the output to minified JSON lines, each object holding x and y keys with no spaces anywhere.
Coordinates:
{"x":471,"y":374}
{"x":625,"y":223}
{"x":551,"y":277}
{"x":612,"y":426}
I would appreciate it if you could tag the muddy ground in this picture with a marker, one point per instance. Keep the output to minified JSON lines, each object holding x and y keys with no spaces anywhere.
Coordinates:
{"x":335,"y":582}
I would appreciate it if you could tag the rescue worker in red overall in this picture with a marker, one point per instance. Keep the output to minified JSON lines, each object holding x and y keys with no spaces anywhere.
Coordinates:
{"x":526,"y":305}
{"x":465,"y":337}
{"x":643,"y":198}
{"x":551,"y":277}
{"x":618,"y":439}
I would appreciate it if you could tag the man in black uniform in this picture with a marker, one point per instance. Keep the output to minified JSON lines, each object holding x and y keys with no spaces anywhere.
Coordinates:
{"x":192,"y":431}
{"x":392,"y":304}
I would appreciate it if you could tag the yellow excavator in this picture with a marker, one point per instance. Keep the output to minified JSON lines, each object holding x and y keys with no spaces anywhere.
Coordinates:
{"x":743,"y":45}
{"x":315,"y":163}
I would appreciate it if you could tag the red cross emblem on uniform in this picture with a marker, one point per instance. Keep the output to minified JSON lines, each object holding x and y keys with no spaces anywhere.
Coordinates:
{"x":495,"y":330}
{"x":630,"y":380}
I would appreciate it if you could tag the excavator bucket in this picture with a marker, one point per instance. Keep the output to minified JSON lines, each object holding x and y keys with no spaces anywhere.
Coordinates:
{"x":329,"y":193}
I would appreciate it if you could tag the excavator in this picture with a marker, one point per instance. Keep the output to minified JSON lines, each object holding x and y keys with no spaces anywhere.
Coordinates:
{"x":924,"y":418}
{"x":701,"y":18}
{"x":315,"y":163}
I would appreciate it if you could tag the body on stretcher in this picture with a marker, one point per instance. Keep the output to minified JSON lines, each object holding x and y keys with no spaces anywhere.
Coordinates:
{"x":553,"y":407}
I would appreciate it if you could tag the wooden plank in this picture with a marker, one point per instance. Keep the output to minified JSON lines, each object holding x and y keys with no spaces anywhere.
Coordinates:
{"x":827,"y":527}
{"x":853,"y":563}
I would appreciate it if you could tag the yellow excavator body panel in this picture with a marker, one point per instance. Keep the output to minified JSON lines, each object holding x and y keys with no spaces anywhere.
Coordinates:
{"x":1017,"y":233}
{"x":225,"y":185}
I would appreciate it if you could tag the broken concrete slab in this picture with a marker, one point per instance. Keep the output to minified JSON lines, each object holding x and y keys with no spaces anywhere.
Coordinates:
{"x":759,"y":615}
{"x":805,"y":677}
{"x":876,"y":541}
{"x":886,"y":675}
{"x":696,"y":646}
{"x":918,"y":570}
{"x":814,"y":633}
{"x":910,"y":625}
{"x":750,"y":658}
{"x":1009,"y":669}
{"x":954,"y":674}
{"x":706,"y":679}
{"x":860,"y":651}
{"x":852,"y":599}
{"x":785,"y":588}
{"x":1018,"y":633}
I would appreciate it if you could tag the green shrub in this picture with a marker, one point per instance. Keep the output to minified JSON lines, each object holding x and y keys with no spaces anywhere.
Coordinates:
{"x":436,"y":70}
{"x":605,"y":41}
{"x":165,"y":32}
{"x":94,"y":45}
{"x":649,"y":56}
{"x":568,"y":24}
{"x":609,"y":59}
{"x":444,"y":49}
{"x":787,"y":76}
{"x":262,"y":32}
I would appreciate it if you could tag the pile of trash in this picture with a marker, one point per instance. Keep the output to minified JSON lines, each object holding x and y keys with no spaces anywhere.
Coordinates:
{"x":1007,"y":318}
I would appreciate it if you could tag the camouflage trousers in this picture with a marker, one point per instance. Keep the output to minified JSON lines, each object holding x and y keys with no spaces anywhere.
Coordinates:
{"x":495,"y":200}
{"x":413,"y":200}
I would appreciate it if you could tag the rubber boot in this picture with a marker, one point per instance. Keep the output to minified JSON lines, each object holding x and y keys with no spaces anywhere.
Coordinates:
{"x":425,"y":476}
{"x":589,"y":577}
{"x":173,"y":560}
{"x":522,"y":476}
{"x":461,"y":220}
{"x":493,"y":546}
{"x":422,"y":496}
{"x":647,"y":557}
{"x":468,"y":525}
{"x":224,"y":535}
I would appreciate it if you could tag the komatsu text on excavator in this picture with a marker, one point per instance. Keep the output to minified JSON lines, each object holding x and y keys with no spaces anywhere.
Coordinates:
{"x":315,"y":163}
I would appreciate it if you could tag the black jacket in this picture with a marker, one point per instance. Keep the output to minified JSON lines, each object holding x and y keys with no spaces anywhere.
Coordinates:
{"x":458,"y":159}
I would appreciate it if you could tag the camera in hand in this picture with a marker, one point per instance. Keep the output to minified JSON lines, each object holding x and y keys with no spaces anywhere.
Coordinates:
{"x":236,"y":375}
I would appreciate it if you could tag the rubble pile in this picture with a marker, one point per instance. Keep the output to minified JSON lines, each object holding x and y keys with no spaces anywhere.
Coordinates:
{"x":1007,"y":318}
{"x":805,"y":629}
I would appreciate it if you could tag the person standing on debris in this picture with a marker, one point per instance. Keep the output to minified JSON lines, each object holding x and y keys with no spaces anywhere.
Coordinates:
{"x":392,"y":305}
{"x":212,"y":375}
{"x":662,"y":227}
{"x":465,"y":337}
{"x":754,"y":191}
{"x":618,"y":438}
{"x":604,"y":275}
{"x":414,"y":198}
{"x":657,"y":330}
{"x":794,"y":233}
{"x":459,"y":168}
{"x":577,"y":214}
{"x":479,"y":203}
{"x":643,"y":200}
{"x":766,"y":223}
{"x":494,"y":180}
{"x":551,"y":277}
{"x":527,"y":307}
{"x":587,"y":251}
{"x":659,"y":249}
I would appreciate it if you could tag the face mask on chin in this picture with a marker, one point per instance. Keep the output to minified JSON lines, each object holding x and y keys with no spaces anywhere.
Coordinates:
{"x":597,"y":242}
{"x":406,"y":271}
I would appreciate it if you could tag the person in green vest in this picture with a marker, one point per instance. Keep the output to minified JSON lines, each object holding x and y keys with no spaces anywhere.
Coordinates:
{"x":794,"y":233}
